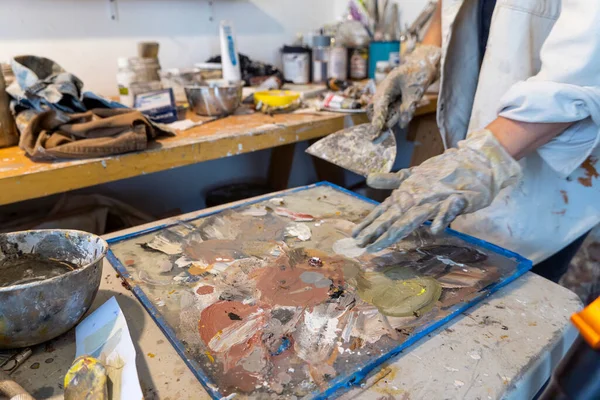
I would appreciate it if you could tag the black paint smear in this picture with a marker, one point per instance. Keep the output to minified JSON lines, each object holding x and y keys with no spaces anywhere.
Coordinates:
{"x":283,"y":315}
{"x":148,"y":248}
{"x":460,"y":255}
{"x":335,"y":292}
{"x":234,"y":317}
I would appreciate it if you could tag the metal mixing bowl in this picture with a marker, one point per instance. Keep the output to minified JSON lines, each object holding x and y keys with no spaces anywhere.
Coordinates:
{"x":32,"y":313}
{"x":216,"y":99}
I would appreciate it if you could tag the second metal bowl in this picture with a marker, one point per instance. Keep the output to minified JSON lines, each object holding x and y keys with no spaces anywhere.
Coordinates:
{"x":215,"y":99}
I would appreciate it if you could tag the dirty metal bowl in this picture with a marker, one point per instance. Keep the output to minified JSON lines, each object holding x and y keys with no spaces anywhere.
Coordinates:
{"x":34,"y":312}
{"x":216,"y":99}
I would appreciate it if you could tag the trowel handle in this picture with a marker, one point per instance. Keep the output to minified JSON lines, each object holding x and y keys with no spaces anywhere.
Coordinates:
{"x":577,"y":376}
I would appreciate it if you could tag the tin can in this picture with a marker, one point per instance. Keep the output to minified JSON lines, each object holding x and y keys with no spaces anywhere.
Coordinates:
{"x":338,"y":63}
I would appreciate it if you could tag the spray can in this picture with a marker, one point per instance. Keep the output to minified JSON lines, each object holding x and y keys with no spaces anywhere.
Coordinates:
{"x":321,"y":55}
{"x":229,"y":55}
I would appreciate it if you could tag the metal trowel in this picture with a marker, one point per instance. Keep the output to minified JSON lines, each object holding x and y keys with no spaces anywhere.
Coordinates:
{"x":354,"y":149}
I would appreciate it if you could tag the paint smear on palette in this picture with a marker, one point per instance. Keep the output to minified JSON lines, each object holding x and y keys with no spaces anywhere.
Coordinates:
{"x":292,"y":281}
{"x":347,"y":247}
{"x":272,"y":302}
{"x":298,"y":230}
{"x":294,"y":216}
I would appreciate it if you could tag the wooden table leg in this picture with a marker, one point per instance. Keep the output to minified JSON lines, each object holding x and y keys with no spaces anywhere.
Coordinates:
{"x":280,"y":166}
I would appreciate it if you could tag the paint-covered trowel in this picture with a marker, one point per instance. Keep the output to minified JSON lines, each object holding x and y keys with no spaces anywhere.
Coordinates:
{"x":354,"y":149}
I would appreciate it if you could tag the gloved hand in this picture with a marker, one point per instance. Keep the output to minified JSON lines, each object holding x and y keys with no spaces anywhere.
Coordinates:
{"x":397,"y":96}
{"x":458,"y":181}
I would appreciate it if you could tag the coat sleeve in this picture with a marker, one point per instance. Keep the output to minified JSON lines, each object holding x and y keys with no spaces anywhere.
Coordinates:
{"x":567,"y":87}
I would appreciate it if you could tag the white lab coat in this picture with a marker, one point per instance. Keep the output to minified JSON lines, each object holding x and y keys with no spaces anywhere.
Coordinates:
{"x":542,"y":64}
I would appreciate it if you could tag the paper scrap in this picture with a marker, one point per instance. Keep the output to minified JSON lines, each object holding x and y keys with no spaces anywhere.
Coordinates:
{"x":104,"y":335}
{"x":186,"y":124}
{"x":162,"y":244}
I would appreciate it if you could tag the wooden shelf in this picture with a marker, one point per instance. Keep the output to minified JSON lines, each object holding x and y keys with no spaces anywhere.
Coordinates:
{"x":22,"y":179}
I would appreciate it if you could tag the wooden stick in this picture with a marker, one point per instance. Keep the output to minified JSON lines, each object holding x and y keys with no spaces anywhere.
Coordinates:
{"x":12,"y":389}
{"x":8,"y":129}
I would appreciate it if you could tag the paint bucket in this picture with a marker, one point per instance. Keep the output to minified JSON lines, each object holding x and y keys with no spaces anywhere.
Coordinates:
{"x":296,"y":64}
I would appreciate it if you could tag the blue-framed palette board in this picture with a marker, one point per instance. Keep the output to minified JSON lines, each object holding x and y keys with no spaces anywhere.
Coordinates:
{"x":262,"y":299}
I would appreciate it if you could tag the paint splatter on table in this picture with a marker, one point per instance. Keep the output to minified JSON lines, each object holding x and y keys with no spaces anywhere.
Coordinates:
{"x":258,"y":303}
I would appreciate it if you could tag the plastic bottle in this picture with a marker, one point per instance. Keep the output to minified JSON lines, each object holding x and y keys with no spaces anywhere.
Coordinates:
{"x":125,"y":77}
{"x":229,"y":54}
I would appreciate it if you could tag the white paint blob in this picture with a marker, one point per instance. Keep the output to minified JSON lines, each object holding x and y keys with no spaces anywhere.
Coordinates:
{"x":347,"y":247}
{"x":300,"y":231}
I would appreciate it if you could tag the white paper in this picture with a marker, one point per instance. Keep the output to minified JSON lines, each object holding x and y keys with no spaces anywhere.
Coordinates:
{"x":104,"y":335}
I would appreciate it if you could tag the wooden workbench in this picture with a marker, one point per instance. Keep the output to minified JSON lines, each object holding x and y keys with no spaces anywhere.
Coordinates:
{"x":23,"y":179}
{"x":503,"y":348}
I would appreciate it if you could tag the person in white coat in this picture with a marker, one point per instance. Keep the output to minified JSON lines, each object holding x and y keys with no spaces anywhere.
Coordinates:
{"x":519,"y":114}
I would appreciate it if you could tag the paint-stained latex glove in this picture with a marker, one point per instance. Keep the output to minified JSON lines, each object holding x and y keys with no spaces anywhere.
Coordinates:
{"x":459,"y":181}
{"x":397,"y":96}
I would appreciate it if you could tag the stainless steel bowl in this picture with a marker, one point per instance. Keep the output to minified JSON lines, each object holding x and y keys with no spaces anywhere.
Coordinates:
{"x":216,"y":99}
{"x":32,"y":313}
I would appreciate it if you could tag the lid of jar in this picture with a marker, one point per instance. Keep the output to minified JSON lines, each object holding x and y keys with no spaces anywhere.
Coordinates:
{"x":321,"y":41}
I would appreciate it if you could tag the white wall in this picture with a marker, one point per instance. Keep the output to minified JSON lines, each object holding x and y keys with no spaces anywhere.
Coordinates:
{"x":79,"y":34}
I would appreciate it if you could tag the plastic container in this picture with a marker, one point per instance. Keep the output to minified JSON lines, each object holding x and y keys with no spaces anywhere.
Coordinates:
{"x":296,"y":64}
{"x":276,"y":98}
{"x":125,"y":77}
{"x":321,"y":57}
{"x":145,"y":69}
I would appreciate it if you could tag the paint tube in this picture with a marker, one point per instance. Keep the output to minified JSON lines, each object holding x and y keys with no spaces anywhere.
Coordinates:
{"x":337,"y":102}
{"x":229,"y":55}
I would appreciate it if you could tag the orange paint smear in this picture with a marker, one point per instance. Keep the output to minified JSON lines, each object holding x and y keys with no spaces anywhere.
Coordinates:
{"x":281,"y":284}
{"x":199,"y":270}
{"x":202,"y":290}
{"x":213,"y":320}
{"x":565,"y":196}
{"x":215,"y":317}
{"x":590,"y":171}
